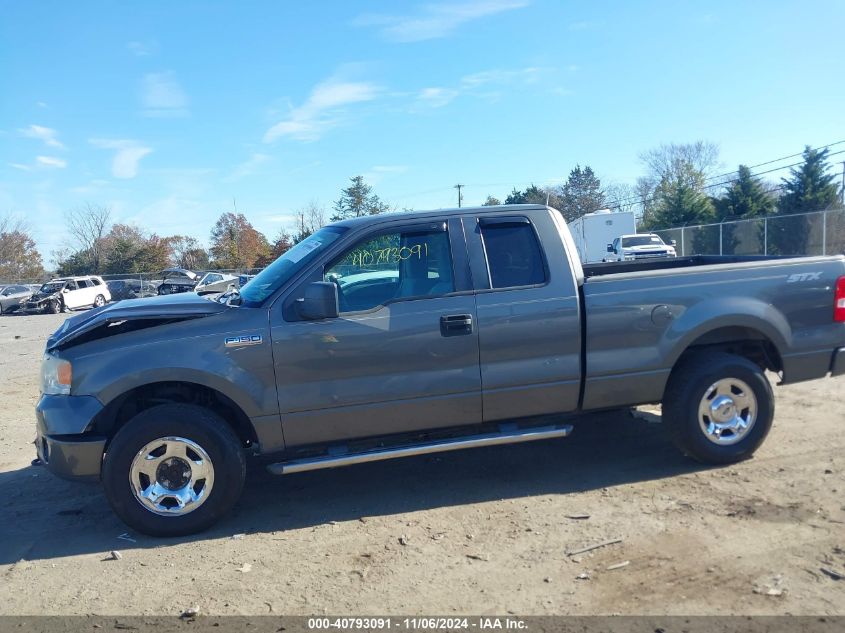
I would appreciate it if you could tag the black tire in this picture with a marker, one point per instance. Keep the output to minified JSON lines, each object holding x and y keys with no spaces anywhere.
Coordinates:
{"x":99,"y":301}
{"x":688,"y":384}
{"x":54,"y":307}
{"x":202,"y":426}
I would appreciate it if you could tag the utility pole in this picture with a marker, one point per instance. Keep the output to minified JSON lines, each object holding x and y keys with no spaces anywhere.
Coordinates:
{"x":460,"y":196}
{"x":842,"y":193}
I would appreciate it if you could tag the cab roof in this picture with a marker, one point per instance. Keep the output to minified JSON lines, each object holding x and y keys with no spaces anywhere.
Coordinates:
{"x":438,"y":213}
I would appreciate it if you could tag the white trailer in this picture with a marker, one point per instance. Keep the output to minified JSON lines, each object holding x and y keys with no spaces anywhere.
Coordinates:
{"x":593,"y":232}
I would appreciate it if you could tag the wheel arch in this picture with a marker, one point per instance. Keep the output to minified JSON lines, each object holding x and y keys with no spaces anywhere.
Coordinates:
{"x":745,"y":327}
{"x":124,"y":407}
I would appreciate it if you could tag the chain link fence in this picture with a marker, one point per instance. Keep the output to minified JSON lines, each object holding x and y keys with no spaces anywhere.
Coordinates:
{"x":146,"y":278}
{"x":817,"y":233}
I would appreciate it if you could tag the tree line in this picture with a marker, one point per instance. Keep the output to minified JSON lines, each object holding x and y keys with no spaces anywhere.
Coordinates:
{"x":679,"y":187}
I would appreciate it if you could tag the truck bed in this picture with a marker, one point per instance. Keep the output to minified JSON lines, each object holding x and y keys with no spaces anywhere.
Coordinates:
{"x":640,"y":316}
{"x":663,"y":263}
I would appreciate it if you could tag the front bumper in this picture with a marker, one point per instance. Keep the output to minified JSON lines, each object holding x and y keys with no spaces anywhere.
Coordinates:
{"x":63,"y":439}
{"x":837,"y":366}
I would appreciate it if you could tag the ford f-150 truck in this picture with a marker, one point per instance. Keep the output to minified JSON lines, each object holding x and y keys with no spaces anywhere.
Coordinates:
{"x":410,"y":333}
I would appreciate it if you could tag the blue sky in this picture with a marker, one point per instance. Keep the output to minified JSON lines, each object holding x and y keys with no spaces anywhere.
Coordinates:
{"x":167,"y":111}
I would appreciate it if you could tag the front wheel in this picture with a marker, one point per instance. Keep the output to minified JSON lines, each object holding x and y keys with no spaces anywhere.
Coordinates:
{"x":719,"y":406}
{"x":99,"y":301}
{"x":173,"y":470}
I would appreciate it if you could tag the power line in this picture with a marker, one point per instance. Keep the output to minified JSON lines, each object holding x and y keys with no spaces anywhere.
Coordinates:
{"x":651,"y":198}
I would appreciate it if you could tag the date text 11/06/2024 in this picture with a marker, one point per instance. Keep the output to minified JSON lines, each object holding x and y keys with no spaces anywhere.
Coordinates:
{"x":418,"y":623}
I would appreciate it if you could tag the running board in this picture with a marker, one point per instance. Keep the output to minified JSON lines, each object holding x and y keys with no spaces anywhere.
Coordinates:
{"x":510,"y":436}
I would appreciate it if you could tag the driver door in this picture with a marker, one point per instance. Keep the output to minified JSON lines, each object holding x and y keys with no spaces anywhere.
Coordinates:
{"x":402,"y":356}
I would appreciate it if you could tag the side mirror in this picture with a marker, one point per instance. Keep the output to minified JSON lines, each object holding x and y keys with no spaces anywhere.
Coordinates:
{"x":320,"y":301}
{"x":610,"y":248}
{"x":673,"y":242}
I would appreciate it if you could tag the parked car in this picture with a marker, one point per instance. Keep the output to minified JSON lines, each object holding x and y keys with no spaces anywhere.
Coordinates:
{"x":131,"y":289}
{"x":468,"y":327}
{"x":11,"y":297}
{"x":177,"y":280}
{"x":639,"y":246}
{"x":68,"y":293}
{"x":214,"y":282}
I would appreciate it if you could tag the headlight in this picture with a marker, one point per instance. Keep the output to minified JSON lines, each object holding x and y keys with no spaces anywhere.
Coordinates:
{"x":56,"y":375}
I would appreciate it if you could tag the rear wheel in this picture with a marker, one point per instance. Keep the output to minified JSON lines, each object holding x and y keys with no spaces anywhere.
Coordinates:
{"x":719,"y":407}
{"x":174,"y":469}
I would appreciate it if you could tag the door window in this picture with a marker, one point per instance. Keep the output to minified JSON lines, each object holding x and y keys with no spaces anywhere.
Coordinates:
{"x":513,"y":254}
{"x":393,"y":266}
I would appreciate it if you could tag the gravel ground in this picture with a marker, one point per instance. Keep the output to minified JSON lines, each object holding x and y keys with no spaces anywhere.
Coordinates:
{"x":483,"y":531}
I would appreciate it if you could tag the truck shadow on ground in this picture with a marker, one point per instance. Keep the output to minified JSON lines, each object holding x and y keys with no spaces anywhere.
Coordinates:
{"x":44,"y":517}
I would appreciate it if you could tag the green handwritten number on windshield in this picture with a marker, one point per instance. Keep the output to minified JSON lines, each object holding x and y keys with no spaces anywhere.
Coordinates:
{"x":390,"y":255}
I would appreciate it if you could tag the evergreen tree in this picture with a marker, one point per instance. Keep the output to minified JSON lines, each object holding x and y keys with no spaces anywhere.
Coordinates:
{"x":810,"y":187}
{"x":581,"y":194}
{"x":491,"y":202}
{"x":746,"y":198}
{"x":532,"y":195}
{"x":358,"y":200}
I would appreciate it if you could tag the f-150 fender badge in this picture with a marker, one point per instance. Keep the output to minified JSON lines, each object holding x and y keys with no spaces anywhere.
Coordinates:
{"x":239,"y":341}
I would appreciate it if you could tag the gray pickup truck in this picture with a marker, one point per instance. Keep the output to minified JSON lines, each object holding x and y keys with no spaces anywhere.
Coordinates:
{"x":400,"y":334}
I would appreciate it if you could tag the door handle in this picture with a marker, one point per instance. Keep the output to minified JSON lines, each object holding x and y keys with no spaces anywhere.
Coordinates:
{"x":456,"y":324}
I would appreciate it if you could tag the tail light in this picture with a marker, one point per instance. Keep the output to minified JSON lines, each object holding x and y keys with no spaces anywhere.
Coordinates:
{"x":839,"y":301}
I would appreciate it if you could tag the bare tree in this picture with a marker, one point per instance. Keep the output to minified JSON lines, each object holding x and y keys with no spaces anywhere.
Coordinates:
{"x":87,"y":227}
{"x":309,"y":219}
{"x":621,"y":197}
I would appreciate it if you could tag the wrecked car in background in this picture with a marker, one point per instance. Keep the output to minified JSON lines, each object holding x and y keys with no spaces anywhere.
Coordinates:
{"x":131,"y":289}
{"x":11,"y":297}
{"x":214,"y":282}
{"x":68,"y":293}
{"x":176,"y":280}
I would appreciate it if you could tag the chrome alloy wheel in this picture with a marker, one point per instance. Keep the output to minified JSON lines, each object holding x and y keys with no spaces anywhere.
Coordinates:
{"x":727,"y":411}
{"x":171,"y":476}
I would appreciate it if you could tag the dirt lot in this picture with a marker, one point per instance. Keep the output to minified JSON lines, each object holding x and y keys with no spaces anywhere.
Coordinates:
{"x":484,"y":531}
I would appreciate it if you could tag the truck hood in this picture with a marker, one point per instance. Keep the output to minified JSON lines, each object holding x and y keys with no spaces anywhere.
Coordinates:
{"x":138,"y":313}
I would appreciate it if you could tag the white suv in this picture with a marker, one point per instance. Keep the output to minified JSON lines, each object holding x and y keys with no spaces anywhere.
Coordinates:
{"x":69,"y":293}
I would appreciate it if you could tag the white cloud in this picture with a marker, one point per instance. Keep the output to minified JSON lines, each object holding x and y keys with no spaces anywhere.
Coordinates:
{"x":377,"y":173}
{"x":51,"y":161}
{"x":436,"y":20}
{"x":20,"y":166}
{"x":248,"y":167}
{"x":162,"y":95}
{"x":436,"y":97}
{"x":482,"y":84}
{"x":45,"y":134}
{"x":322,"y":110}
{"x":128,"y":154}
{"x":143,"y":49}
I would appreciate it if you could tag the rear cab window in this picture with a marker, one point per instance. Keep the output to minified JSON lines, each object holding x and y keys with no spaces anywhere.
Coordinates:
{"x":512,"y":251}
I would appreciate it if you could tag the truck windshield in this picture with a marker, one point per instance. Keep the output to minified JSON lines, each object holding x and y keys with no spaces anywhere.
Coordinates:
{"x":280,"y":271}
{"x":642,"y":240}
